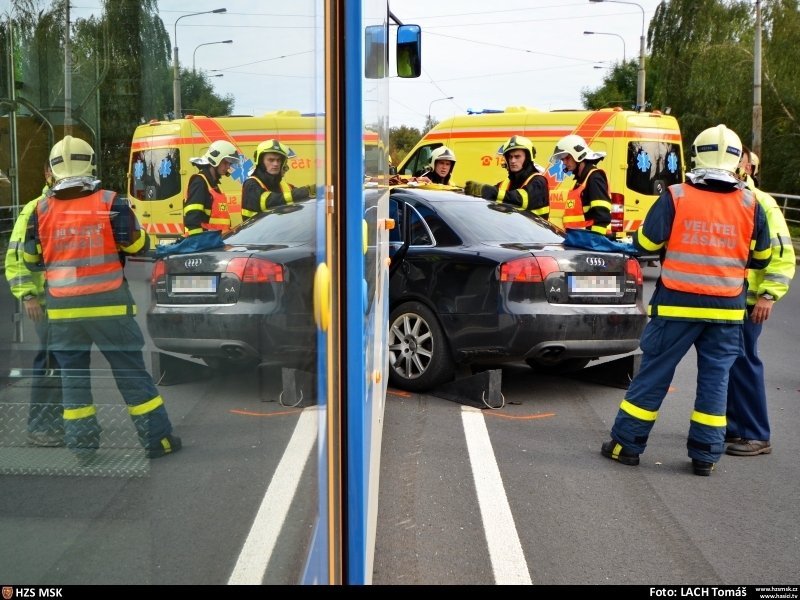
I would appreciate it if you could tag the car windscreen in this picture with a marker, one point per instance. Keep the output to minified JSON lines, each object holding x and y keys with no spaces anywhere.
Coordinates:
{"x":498,"y":223}
{"x":288,"y":224}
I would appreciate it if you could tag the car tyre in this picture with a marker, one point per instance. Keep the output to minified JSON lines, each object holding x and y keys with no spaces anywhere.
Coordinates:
{"x":419,"y":357}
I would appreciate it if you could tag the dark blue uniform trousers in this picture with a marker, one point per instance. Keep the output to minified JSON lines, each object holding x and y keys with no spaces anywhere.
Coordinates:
{"x":664,"y":343}
{"x":747,"y":395}
{"x":46,"y":412}
{"x":121,"y":342}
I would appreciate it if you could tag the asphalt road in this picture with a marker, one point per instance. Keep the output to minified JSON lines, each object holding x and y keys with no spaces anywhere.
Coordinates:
{"x":580,"y":518}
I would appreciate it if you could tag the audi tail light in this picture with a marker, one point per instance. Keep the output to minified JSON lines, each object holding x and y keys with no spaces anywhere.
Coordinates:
{"x":528,"y":269}
{"x":634,"y":271}
{"x":159,"y":271}
{"x":255,"y":270}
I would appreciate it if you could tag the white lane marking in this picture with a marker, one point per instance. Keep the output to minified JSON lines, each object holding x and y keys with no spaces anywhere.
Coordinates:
{"x":260,"y":543}
{"x":505,"y":550}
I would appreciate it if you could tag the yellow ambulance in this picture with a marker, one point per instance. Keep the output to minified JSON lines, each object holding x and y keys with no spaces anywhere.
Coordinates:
{"x":643,"y":153}
{"x":159,"y":167}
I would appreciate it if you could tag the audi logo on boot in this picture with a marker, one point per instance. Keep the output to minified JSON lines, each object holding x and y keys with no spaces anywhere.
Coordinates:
{"x":596,"y":261}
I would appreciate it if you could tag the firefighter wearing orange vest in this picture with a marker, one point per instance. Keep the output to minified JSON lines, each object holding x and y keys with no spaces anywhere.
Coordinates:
{"x":588,"y":203}
{"x":265,"y":187}
{"x":525,"y":186}
{"x":708,"y":232}
{"x":78,"y":236}
{"x":206,"y":206}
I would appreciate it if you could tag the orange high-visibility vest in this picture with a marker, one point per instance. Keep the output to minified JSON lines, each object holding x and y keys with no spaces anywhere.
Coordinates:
{"x":78,"y":246}
{"x":573,"y":209}
{"x":220,"y":217}
{"x":709,"y":246}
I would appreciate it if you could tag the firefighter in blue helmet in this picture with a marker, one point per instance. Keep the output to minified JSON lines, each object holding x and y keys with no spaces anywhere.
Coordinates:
{"x":709,"y":231}
{"x":78,"y":236}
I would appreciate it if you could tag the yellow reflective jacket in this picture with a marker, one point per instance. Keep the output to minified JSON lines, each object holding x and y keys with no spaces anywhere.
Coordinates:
{"x":21,"y":280}
{"x":777,"y":276}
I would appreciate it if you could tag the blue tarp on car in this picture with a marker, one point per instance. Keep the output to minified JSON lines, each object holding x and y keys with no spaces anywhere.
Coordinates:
{"x":207,"y":240}
{"x":588,"y":240}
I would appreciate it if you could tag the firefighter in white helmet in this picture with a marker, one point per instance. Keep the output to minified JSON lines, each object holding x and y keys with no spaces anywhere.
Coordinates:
{"x":588,"y":203}
{"x":79,"y":235}
{"x":709,"y":231}
{"x":440,"y":168}
{"x":206,"y":206}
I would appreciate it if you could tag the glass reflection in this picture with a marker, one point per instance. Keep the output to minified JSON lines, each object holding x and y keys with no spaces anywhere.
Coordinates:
{"x":230,"y":338}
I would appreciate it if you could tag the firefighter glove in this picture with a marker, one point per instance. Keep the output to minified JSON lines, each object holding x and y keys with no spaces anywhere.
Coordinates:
{"x":304,"y":192}
{"x":473,"y":188}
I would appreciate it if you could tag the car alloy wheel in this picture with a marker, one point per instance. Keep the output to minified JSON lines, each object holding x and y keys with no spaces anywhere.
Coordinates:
{"x":418,"y":355}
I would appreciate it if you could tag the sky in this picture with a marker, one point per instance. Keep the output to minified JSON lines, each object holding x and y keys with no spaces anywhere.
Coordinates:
{"x":521,"y":53}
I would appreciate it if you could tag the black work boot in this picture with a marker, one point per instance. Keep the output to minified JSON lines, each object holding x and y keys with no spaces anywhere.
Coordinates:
{"x":614,"y":450}
{"x":702,"y":468}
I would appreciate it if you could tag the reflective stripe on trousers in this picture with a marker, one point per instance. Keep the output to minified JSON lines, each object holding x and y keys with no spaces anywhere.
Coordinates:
{"x":121,"y":342}
{"x":664,"y":343}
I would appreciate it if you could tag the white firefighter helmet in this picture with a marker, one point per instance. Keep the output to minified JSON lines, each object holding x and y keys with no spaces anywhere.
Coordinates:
{"x":72,"y":157}
{"x":717,"y":148}
{"x":442,"y":153}
{"x":219,"y":151}
{"x":575,"y":146}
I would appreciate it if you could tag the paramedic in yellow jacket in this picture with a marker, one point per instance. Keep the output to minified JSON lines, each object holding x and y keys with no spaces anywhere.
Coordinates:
{"x":748,"y":430}
{"x":589,"y":201}
{"x":45,"y":418}
{"x":265,"y":187}
{"x":206,"y":206}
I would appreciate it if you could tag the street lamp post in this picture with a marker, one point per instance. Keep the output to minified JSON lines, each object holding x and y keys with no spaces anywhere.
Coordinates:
{"x":757,"y":110}
{"x":431,"y":105}
{"x":614,"y":34}
{"x":176,"y":72}
{"x":641,"y":78}
{"x":194,"y":54}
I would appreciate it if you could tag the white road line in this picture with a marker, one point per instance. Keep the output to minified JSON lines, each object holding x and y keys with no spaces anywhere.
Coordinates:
{"x":257,"y":549}
{"x":505,"y":550}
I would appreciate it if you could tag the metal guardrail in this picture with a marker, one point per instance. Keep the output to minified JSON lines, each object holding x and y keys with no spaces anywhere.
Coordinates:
{"x":790,"y":205}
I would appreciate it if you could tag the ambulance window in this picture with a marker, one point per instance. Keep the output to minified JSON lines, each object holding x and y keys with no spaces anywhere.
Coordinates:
{"x":419,"y":162}
{"x":155,"y":174}
{"x":653,"y":166}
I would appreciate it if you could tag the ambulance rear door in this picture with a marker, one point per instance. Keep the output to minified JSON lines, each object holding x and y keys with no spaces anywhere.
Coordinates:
{"x":156,"y":179}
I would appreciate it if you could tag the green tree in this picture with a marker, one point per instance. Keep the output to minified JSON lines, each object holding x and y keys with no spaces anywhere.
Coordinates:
{"x":780,"y":160}
{"x":701,"y":65}
{"x":401,"y":140}
{"x":618,"y":88}
{"x":198,"y":96}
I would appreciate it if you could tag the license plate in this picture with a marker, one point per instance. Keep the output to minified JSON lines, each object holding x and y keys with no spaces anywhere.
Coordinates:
{"x":194,"y":284}
{"x":594,"y":284}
